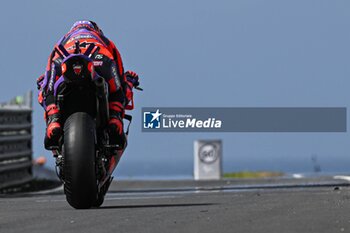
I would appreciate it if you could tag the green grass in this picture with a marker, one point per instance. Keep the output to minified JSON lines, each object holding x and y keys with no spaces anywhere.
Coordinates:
{"x":250,"y":174}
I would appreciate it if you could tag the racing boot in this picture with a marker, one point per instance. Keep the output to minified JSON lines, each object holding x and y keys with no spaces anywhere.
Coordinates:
{"x":54,"y":129}
{"x":116,"y":126}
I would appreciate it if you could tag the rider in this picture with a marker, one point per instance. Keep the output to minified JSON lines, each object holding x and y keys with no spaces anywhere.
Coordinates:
{"x":108,"y":64}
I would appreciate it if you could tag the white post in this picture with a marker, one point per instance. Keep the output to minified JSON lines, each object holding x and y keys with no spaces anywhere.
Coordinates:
{"x":207,"y":159}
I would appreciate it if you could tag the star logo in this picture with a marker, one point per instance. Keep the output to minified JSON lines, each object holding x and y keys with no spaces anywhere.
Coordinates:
{"x":151,"y":120}
{"x":156,"y":115}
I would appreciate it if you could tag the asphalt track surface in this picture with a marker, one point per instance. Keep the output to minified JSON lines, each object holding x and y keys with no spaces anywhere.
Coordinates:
{"x":268,"y":205}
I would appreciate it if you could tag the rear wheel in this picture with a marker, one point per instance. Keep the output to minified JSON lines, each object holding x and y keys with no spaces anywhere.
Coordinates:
{"x":79,"y":161}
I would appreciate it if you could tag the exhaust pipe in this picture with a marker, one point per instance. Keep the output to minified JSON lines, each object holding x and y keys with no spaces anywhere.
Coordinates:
{"x":102,"y":108}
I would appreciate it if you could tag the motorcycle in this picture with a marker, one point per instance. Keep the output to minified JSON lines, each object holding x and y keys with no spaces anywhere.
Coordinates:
{"x":85,"y":160}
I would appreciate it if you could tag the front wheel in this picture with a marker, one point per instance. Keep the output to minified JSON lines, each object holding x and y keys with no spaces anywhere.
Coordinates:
{"x":79,"y":161}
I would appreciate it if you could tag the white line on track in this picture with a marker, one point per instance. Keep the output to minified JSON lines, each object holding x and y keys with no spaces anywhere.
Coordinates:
{"x":47,"y":200}
{"x":347,"y":178}
{"x":139,"y":198}
{"x":50,"y":191}
{"x":118,"y":196}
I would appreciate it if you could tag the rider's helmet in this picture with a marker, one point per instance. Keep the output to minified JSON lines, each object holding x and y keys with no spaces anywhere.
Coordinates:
{"x":87,"y":24}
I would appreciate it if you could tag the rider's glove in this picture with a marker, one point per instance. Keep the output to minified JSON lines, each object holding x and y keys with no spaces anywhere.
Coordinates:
{"x":132,"y":78}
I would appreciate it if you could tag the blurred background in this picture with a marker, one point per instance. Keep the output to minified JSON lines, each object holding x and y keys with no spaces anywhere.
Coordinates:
{"x":204,"y":53}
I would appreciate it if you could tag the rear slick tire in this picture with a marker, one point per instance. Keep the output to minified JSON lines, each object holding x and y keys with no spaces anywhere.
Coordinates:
{"x":79,"y":161}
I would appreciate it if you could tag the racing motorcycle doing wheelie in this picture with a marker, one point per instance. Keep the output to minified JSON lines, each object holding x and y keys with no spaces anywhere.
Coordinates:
{"x":85,"y":160}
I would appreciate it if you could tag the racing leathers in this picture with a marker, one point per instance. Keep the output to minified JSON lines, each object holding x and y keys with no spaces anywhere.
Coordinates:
{"x":107,"y":64}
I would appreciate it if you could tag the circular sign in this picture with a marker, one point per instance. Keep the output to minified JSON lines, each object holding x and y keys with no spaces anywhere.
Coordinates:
{"x":208,"y":153}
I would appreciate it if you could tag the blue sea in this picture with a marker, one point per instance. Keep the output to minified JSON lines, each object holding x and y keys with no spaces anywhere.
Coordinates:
{"x":184,"y":170}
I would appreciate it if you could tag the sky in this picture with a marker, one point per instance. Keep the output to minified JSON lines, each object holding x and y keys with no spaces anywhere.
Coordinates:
{"x":243,"y":53}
